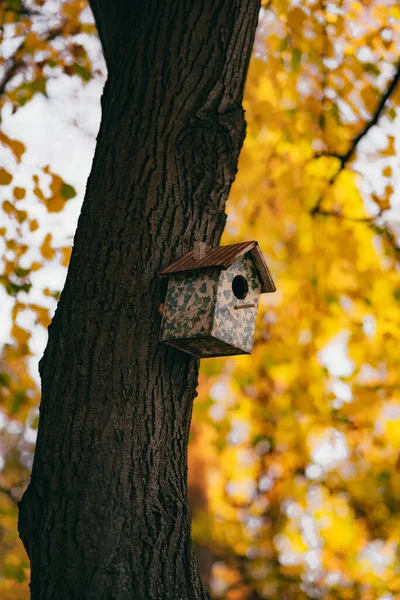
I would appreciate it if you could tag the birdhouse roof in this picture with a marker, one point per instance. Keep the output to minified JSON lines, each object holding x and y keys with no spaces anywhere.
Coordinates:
{"x":222,"y":257}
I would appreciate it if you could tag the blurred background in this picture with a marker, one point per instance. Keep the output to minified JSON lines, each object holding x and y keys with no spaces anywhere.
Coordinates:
{"x":295,"y":450}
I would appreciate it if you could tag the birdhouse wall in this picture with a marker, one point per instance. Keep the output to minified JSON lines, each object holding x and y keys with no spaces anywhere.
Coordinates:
{"x":232,"y":324}
{"x":188,"y":307}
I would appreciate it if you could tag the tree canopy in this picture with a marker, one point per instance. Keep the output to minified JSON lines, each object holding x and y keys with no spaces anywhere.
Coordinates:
{"x":297,"y":444}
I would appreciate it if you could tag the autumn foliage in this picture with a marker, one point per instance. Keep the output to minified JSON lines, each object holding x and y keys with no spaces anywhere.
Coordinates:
{"x":296,"y":448}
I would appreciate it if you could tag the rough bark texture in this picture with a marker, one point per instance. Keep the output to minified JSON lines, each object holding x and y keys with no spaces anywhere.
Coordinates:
{"x":106,"y":513}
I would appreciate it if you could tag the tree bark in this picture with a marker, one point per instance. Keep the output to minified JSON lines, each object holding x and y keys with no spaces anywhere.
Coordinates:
{"x":106,"y":513}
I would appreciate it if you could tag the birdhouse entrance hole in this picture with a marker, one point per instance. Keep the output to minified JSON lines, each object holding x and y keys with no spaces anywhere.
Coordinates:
{"x":240,"y":287}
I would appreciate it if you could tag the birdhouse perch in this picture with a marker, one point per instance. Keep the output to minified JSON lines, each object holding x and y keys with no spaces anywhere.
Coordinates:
{"x":212,"y":299}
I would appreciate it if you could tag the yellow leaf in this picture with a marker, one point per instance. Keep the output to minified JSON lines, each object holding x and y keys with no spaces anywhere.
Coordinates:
{"x":296,"y":18}
{"x":5,"y":177}
{"x":15,"y":146}
{"x":331,"y":18}
{"x":7,"y":207}
{"x":387,"y":171}
{"x":18,"y":307}
{"x":383,"y":203}
{"x":47,"y":251}
{"x":55,"y":204}
{"x":356,"y":6}
{"x":369,"y":96}
{"x":72,"y":10}
{"x":31,"y":41}
{"x":11,"y":244}
{"x":388,"y":193}
{"x":390,"y":149}
{"x":43,"y":316}
{"x":392,"y":432}
{"x":19,"y":193}
{"x":56,"y":184}
{"x":281,"y":6}
{"x":38,"y":192}
{"x":66,"y":255}
{"x":19,"y":334}
{"x":21,"y":215}
{"x":35,"y":266}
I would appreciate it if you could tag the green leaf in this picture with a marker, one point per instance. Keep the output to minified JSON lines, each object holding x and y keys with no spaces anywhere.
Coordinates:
{"x":19,"y":397}
{"x":38,"y":85}
{"x":35,"y":423}
{"x":67,"y":191}
{"x":20,"y":272}
{"x":204,"y":406}
{"x":335,"y":112}
{"x":284,"y":44}
{"x":12,"y":288}
{"x":296,"y":59}
{"x":85,"y":74}
{"x":5,"y":379}
{"x":372,"y":68}
{"x":15,"y":572}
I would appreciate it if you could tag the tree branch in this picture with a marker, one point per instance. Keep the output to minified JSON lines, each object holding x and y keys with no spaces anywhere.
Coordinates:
{"x":16,"y":64}
{"x":338,"y":215}
{"x":345,"y":158}
{"x":375,"y":118}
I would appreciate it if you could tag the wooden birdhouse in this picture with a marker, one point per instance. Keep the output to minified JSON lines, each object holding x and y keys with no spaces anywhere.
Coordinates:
{"x":212,"y":299}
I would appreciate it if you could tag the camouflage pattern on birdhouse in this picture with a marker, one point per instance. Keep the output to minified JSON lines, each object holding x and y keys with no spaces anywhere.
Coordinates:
{"x":212,"y":299}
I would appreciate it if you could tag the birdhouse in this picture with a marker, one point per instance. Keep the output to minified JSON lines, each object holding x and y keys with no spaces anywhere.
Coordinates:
{"x":212,"y":299}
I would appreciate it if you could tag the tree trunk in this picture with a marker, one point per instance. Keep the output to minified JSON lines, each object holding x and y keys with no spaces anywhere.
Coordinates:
{"x":106,"y":513}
